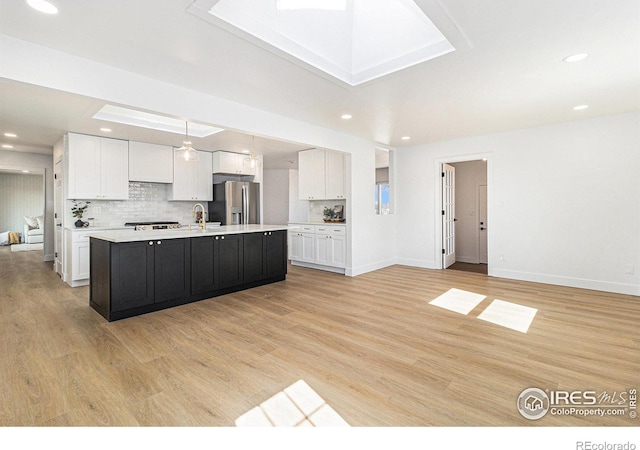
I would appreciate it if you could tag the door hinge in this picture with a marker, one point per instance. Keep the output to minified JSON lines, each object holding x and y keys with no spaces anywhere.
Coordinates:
{"x":443,"y":252}
{"x":442,"y":174}
{"x":443,"y":212}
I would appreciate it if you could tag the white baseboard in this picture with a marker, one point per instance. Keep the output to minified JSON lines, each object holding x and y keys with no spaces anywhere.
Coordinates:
{"x":339,"y":270}
{"x":355,"y":271}
{"x":466,"y":259}
{"x":424,"y":264}
{"x":596,"y":285}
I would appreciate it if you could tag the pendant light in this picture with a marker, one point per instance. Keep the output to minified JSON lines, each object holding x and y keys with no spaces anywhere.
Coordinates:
{"x":187,"y":152}
{"x":253,"y":160}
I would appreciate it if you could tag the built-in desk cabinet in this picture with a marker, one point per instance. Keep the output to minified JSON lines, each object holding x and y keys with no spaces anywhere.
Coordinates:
{"x":318,"y":246}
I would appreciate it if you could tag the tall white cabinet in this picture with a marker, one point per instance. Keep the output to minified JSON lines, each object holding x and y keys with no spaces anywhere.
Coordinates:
{"x":192,"y":180}
{"x":97,"y":168}
{"x":321,"y":174}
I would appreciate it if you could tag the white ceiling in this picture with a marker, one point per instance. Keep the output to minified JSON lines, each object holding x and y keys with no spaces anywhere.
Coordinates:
{"x":508,"y":75}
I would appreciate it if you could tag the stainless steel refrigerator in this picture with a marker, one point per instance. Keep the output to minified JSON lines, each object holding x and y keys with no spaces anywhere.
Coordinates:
{"x":235,"y":203}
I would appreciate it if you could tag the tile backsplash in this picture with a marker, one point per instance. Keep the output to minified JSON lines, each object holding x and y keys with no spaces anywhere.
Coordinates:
{"x":147,"y":202}
{"x":316,"y":208}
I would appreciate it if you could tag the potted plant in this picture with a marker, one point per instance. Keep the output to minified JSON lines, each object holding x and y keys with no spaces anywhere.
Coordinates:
{"x":78,"y":210}
{"x":329,"y":214}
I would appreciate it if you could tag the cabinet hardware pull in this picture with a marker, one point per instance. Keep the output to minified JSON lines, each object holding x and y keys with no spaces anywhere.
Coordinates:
{"x":150,"y":242}
{"x":222,"y":237}
{"x":159,"y":242}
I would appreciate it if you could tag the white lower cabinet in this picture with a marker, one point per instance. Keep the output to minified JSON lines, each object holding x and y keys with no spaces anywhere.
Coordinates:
{"x":319,"y":246}
{"x":77,"y":257}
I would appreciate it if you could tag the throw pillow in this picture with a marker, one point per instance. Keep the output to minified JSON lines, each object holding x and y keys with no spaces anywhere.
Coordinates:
{"x":40,"y":220}
{"x":31,"y":221}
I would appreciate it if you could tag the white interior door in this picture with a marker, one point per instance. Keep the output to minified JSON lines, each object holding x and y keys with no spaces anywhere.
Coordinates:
{"x":482,"y":224}
{"x":58,"y":208}
{"x":448,"y":215}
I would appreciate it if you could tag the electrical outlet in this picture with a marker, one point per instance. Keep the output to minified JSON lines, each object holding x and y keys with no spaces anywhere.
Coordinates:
{"x":97,"y":209}
{"x":502,"y":258}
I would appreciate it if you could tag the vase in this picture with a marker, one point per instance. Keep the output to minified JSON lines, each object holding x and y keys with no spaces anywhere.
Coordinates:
{"x":79,"y":223}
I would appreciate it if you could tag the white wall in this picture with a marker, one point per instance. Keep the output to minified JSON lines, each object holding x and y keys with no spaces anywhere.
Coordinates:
{"x":298,"y":209}
{"x":276,"y":196}
{"x":563,"y":202}
{"x":44,"y":163}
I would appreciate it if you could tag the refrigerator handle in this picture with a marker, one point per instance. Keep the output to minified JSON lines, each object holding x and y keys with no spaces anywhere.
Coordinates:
{"x":245,"y":204}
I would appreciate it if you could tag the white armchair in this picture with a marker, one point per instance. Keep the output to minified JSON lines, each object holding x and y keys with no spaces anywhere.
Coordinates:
{"x":33,"y":230}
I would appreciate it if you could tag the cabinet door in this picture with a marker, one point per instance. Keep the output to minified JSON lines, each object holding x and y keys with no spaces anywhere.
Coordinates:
{"x":311,"y":172}
{"x":132,"y":275}
{"x":204,"y":177}
{"x":307,"y":250}
{"x":275,"y":253}
{"x":230,"y":260}
{"x":335,"y":175}
{"x":295,"y":245}
{"x":338,"y":252}
{"x":84,"y":162}
{"x":254,"y":262}
{"x":150,"y":163}
{"x":80,"y":261}
{"x":114,"y":169}
{"x":322,"y":249}
{"x":184,"y":179}
{"x":203,"y":277}
{"x":172,"y":267}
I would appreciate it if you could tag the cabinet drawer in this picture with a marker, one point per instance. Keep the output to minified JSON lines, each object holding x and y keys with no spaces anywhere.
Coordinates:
{"x":303,"y":228}
{"x":79,"y":237}
{"x":330,"y":229}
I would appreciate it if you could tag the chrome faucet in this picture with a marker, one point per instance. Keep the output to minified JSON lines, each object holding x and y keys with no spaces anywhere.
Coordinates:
{"x":201,"y":222}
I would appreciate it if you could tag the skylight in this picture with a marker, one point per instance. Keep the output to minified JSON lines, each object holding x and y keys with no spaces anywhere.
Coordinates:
{"x":352,"y":40}
{"x":118,"y":114}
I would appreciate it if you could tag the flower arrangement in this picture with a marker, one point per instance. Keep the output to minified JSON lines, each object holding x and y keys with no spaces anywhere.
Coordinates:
{"x":78,"y":210}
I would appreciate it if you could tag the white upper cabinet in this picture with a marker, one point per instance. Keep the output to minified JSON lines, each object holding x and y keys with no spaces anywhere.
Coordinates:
{"x":231,"y":163}
{"x":321,"y":175}
{"x":150,"y":163}
{"x":98,"y":168}
{"x":335,"y":175}
{"x":192,"y":180}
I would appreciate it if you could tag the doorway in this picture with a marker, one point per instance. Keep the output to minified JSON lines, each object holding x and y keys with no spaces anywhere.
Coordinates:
{"x":465,"y":222}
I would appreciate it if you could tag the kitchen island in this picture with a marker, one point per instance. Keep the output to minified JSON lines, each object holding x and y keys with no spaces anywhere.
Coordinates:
{"x":136,"y":272}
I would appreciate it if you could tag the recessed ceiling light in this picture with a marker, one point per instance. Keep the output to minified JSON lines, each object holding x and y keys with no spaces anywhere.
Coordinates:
{"x":12,"y":135}
{"x":7,"y":146}
{"x":580,"y":107}
{"x":575,"y":58}
{"x":405,"y":138}
{"x":25,"y":171}
{"x":106,"y":130}
{"x":346,"y":116}
{"x":246,"y":151}
{"x":43,"y":6}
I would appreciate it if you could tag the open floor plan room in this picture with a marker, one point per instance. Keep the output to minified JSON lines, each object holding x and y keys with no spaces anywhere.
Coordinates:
{"x":372,"y":348}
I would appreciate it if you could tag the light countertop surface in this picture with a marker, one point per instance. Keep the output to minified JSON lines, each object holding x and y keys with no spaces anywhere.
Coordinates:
{"x":133,"y":236}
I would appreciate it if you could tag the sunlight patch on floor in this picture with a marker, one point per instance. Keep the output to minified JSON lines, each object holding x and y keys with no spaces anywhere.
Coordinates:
{"x":459,"y":301}
{"x":295,"y":406}
{"x":510,"y":315}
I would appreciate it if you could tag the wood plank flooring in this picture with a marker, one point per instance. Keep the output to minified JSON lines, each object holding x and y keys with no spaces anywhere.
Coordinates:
{"x":371,"y":346}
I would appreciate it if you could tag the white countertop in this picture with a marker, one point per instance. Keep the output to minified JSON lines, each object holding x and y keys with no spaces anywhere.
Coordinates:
{"x":321,"y":222}
{"x":133,"y":236}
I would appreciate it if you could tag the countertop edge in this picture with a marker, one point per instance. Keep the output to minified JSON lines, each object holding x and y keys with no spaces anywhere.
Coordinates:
{"x":119,"y":236}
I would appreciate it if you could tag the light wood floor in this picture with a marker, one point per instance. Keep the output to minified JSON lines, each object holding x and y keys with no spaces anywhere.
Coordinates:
{"x":371,"y":346}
